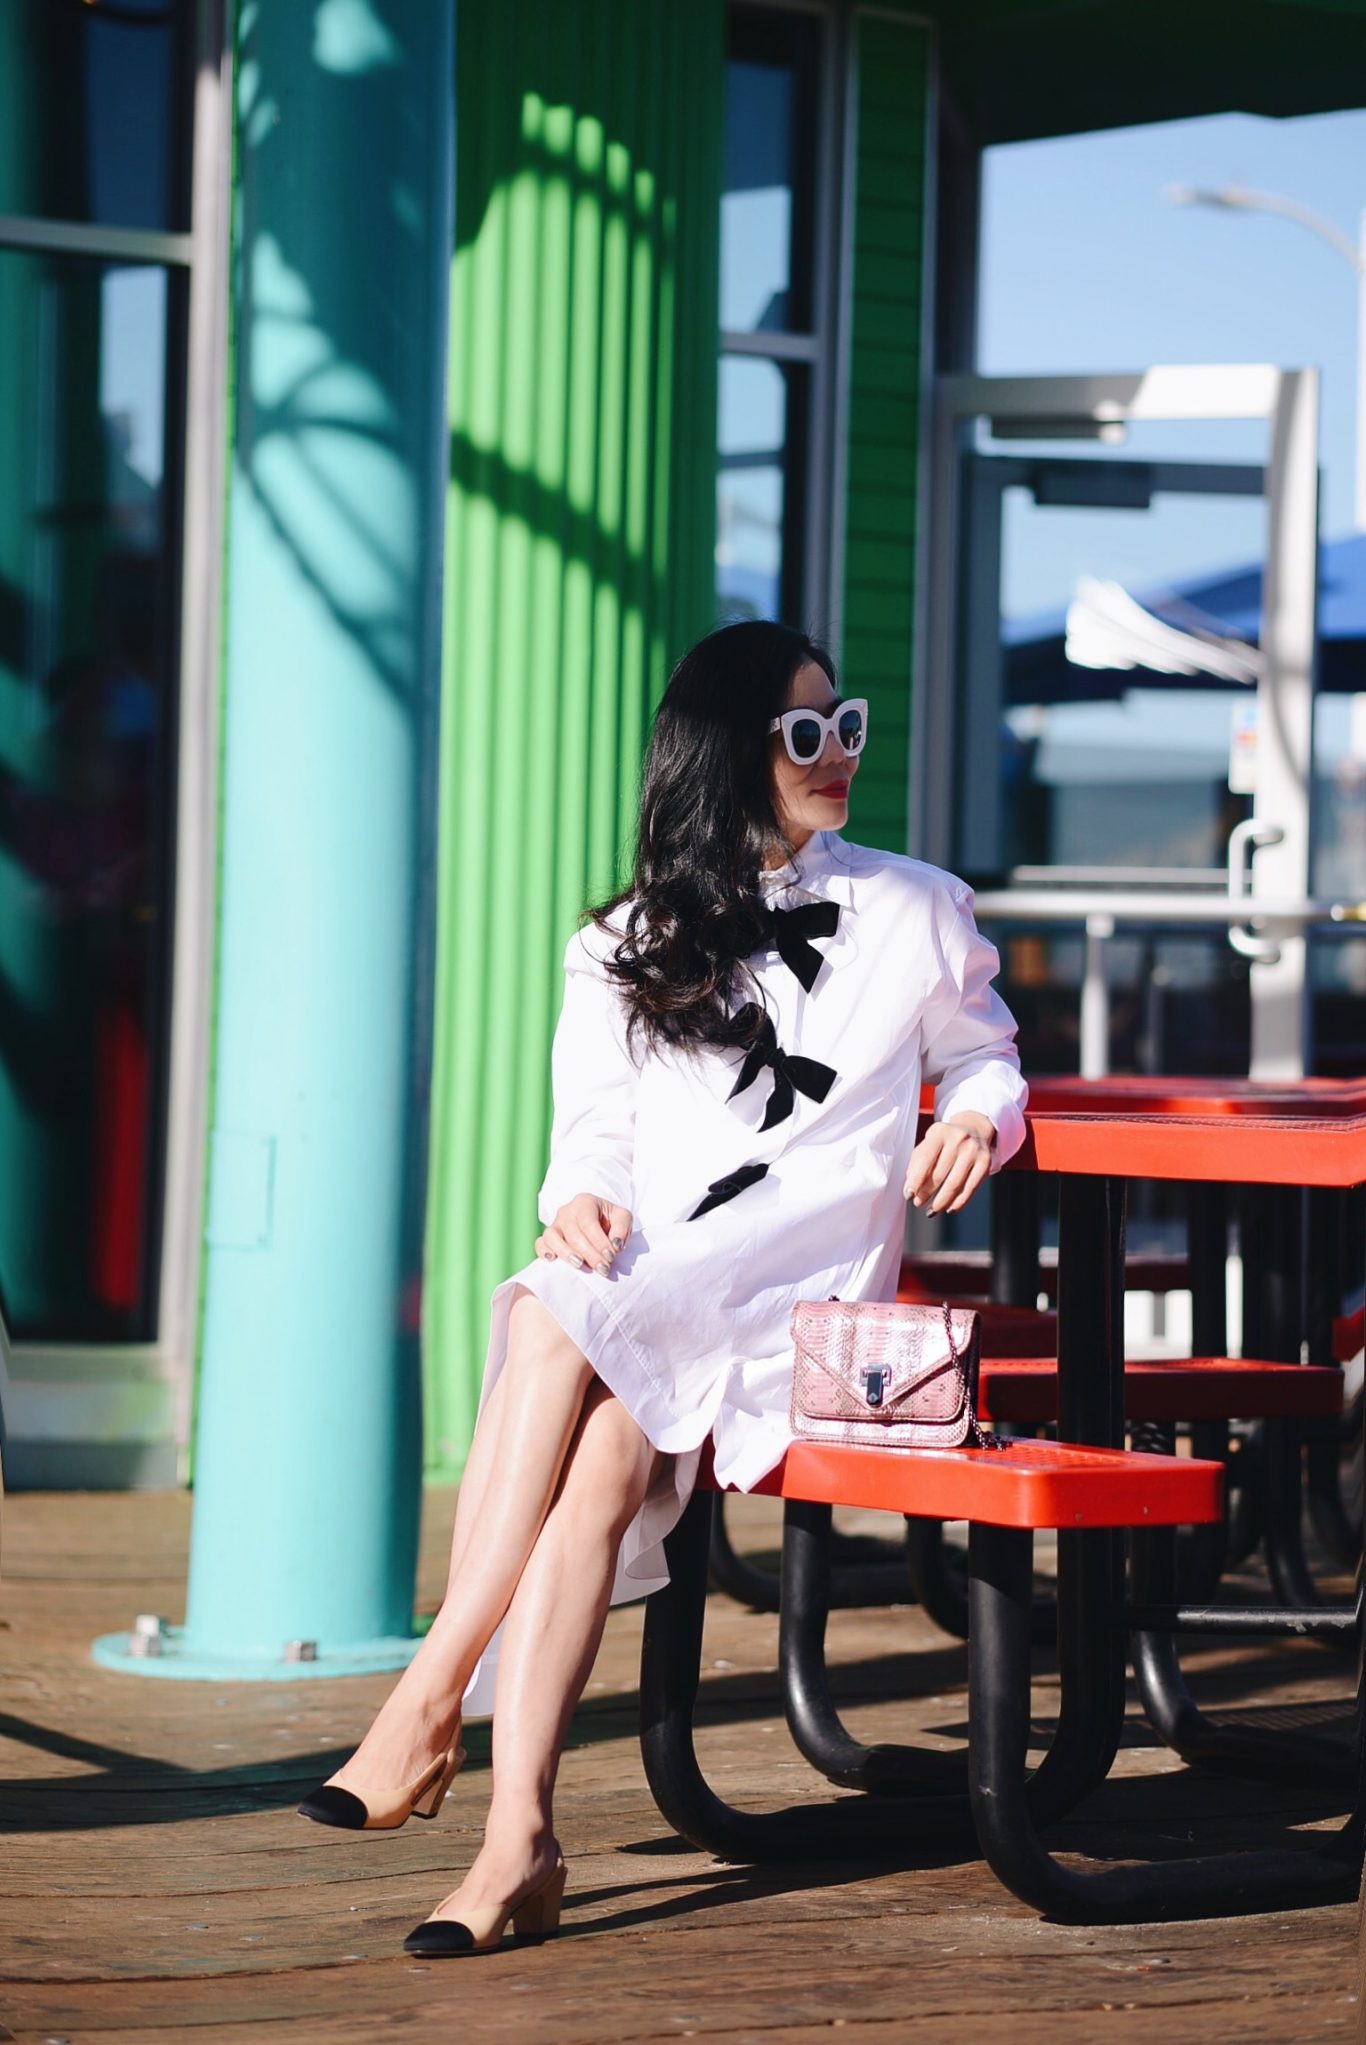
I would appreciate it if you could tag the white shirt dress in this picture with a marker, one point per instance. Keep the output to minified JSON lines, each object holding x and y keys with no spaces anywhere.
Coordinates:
{"x":886,"y":986}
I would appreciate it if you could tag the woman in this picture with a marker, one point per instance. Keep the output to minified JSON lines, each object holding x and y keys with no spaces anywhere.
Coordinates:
{"x":737,"y":1073}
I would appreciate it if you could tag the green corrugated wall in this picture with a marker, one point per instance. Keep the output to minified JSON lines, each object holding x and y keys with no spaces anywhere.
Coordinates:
{"x":884,"y":409}
{"x":580,"y":526}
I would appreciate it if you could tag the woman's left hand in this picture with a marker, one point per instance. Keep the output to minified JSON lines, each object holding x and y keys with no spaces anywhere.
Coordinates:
{"x":950,"y":1162}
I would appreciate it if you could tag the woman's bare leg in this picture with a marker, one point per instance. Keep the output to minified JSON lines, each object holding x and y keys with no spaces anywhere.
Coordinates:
{"x":552,"y":1633}
{"x":514,"y":1465}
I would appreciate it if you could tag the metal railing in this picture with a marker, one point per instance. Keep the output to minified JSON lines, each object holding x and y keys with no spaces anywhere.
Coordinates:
{"x":1254,"y":924}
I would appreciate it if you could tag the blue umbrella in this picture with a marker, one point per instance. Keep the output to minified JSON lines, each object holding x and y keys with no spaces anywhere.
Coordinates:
{"x":1037,"y":669}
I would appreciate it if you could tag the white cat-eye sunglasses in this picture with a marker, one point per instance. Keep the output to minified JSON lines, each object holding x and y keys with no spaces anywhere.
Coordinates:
{"x":804,"y":731}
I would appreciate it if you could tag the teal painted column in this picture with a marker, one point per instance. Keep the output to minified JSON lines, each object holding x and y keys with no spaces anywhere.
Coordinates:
{"x":308,"y":1458}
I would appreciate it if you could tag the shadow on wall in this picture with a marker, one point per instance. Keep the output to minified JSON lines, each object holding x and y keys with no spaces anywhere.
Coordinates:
{"x":579,"y":542}
{"x":341,"y":252}
{"x":578,"y":462}
{"x":330,"y":424}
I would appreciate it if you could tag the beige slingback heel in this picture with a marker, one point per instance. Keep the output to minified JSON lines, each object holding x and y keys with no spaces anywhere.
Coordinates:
{"x":534,"y":1918}
{"x":386,"y":1810}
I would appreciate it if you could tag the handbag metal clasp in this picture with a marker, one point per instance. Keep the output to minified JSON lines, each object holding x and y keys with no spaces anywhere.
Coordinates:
{"x":874,"y":1385}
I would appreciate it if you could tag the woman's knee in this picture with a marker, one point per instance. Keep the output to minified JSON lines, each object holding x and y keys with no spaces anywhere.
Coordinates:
{"x":611,"y":1461}
{"x":537,"y":1342}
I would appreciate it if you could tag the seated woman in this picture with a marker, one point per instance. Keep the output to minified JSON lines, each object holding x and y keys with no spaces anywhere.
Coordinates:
{"x":737,"y":1074}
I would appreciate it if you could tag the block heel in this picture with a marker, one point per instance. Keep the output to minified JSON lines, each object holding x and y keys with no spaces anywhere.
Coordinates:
{"x":387,"y":1809}
{"x":534,"y":1918}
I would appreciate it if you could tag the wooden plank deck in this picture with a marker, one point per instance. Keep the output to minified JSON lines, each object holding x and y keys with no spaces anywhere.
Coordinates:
{"x":157,"y":1885}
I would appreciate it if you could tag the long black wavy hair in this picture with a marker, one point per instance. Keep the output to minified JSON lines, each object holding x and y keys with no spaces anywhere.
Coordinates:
{"x":706,"y":821}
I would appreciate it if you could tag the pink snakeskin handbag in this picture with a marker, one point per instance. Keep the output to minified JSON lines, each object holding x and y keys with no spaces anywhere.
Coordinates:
{"x":883,"y":1375}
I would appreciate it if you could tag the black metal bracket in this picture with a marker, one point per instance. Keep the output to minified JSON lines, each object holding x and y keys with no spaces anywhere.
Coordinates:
{"x":1216,"y":1885}
{"x":858,"y":1577}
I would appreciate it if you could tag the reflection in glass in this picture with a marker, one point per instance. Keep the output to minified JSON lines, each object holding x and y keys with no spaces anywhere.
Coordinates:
{"x":86,"y":670}
{"x":1338,"y":965}
{"x":1106,"y":759}
{"x":1178,"y":1002}
{"x":91,"y":124}
{"x":757,"y":574}
{"x":770,"y":154}
{"x":1105,"y":635}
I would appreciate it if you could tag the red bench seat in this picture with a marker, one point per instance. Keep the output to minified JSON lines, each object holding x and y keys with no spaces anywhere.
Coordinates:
{"x":966,"y":1274}
{"x":1029,"y":1484}
{"x":1024,"y":1390}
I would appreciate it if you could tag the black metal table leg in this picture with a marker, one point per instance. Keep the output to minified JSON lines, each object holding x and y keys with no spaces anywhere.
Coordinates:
{"x":813,"y":1720}
{"x":940,"y":1582}
{"x":1090,"y":1411}
{"x":917,"y":1798}
{"x":864,"y":1572}
{"x":853,"y":1827}
{"x":1203,"y":1551}
{"x":1213,"y":1886}
{"x":1329,"y":1258}
{"x":1090,"y":1719}
{"x":1015,"y":1240}
{"x":1273,"y":1327}
{"x":1173,"y":1712}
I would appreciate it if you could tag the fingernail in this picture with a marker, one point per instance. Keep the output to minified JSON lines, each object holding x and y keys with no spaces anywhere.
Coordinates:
{"x":580,"y":1264}
{"x":617,"y":1242}
{"x":605,"y":1268}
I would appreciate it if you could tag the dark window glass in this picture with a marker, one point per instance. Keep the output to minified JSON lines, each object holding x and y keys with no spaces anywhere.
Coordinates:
{"x":88,"y":511}
{"x":766,"y":204}
{"x":93,"y":123}
{"x":761,"y":488}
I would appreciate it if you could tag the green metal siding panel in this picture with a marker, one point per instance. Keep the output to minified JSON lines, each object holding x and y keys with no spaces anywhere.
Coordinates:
{"x":884,"y":410}
{"x":578,"y":565}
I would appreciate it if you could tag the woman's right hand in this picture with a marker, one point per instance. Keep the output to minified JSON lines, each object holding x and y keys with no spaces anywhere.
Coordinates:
{"x":587,"y":1232}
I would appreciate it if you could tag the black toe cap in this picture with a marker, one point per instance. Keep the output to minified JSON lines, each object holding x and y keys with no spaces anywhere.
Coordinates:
{"x":439,"y":1937}
{"x":328,"y":1806}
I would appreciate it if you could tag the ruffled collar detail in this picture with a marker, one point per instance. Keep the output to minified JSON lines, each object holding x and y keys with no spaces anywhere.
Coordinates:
{"x":820,"y":870}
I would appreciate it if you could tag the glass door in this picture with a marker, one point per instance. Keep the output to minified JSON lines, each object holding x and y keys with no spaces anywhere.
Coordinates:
{"x":112,"y":316}
{"x":1131,"y":641}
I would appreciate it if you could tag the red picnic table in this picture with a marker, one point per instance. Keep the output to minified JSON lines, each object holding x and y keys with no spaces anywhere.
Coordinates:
{"x":1272,"y":1142}
{"x":1093,"y":1150}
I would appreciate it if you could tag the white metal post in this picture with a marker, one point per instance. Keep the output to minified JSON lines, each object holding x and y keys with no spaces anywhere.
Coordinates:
{"x":1285,"y":720}
{"x":1361,"y":376}
{"x":1095,"y":999}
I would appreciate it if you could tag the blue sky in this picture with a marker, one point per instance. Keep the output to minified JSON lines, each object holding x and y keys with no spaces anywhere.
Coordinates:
{"x":1085,"y":266}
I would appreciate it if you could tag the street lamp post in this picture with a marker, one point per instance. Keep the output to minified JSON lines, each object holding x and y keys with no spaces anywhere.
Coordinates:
{"x":1237,"y":198}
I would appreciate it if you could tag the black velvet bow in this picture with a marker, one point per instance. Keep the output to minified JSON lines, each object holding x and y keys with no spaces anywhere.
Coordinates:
{"x":788,"y":931}
{"x":792,"y":1074}
{"x":721,"y":1190}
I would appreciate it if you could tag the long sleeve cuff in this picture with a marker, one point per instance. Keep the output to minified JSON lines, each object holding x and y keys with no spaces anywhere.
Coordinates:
{"x":607,"y":1178}
{"x":995,"y":1089}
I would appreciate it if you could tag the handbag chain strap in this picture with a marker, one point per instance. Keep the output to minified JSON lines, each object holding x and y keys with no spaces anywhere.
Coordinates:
{"x":977,"y":1434}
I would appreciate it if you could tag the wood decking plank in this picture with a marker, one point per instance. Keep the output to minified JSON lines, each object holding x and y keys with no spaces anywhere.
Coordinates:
{"x":156,"y":1883}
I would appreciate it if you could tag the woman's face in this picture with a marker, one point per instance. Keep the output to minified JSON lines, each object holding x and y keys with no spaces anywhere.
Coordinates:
{"x":814,"y":797}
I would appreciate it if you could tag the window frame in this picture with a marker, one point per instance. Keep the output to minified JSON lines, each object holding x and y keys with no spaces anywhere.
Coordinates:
{"x":36,"y":1376}
{"x":822,"y":348}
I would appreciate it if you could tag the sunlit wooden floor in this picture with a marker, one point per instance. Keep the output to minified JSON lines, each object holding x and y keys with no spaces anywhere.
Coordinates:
{"x":156,"y":1883}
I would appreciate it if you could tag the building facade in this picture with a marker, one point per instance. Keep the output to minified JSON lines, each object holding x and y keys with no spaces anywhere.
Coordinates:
{"x":391,"y":391}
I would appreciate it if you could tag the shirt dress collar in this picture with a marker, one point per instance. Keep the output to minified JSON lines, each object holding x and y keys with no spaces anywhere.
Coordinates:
{"x":819,"y":872}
